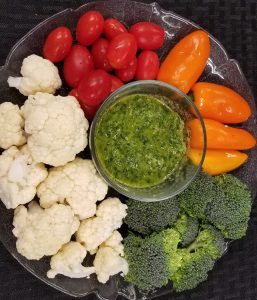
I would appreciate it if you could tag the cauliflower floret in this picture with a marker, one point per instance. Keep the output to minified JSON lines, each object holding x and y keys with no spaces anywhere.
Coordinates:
{"x":107,"y":263}
{"x":56,"y":128}
{"x":19,"y":176}
{"x":68,"y":262}
{"x":115,"y":242}
{"x":39,"y":75}
{"x":41,"y":231}
{"x":76,"y":183}
{"x":11,"y":124}
{"x":94,"y":231}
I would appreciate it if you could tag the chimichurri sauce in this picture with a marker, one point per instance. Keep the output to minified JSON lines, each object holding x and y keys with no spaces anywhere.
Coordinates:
{"x":140,"y":141}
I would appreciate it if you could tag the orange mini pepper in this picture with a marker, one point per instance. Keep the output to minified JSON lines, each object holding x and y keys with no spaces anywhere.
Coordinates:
{"x":218,"y":161}
{"x":220,"y":103}
{"x":219,"y":136}
{"x":186,"y":61}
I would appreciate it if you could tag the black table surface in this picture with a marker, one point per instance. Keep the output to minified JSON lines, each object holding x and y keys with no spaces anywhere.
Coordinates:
{"x":234,"y":23}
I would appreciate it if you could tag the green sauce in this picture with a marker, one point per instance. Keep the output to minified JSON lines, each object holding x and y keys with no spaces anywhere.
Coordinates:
{"x":140,"y":141}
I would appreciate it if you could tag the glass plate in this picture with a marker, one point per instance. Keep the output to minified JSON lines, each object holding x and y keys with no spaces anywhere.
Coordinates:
{"x":219,"y":69}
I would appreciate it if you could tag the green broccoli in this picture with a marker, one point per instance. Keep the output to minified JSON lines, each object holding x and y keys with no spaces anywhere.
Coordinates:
{"x":224,"y":201}
{"x":195,"y":198}
{"x":230,"y":211}
{"x":148,"y":217}
{"x":198,"y":259}
{"x":188,"y":228}
{"x":148,"y":258}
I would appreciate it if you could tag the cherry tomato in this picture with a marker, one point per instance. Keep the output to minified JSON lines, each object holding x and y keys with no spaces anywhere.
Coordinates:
{"x":57,"y":44}
{"x":74,"y":93}
{"x":113,"y":27}
{"x":147,"y":65}
{"x":99,"y":51}
{"x":89,"y":28}
{"x":90,"y":111}
{"x":128,"y":73}
{"x":94,"y":88}
{"x":122,"y":50}
{"x":149,"y":36}
{"x":116,"y":83}
{"x":77,"y":65}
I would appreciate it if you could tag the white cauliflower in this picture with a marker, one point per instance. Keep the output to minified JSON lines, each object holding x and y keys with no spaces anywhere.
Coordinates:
{"x":11,"y":126}
{"x":115,"y":242}
{"x":94,"y":231}
{"x":108,"y":262}
{"x":76,"y":183}
{"x":41,"y":231}
{"x":56,"y":128}
{"x":19,"y":176}
{"x":68,"y":262}
{"x":39,"y":75}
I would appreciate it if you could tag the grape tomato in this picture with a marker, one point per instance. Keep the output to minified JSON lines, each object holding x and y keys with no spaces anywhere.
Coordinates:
{"x":113,"y":27}
{"x":147,"y":65}
{"x":99,"y":53}
{"x":128,"y":73}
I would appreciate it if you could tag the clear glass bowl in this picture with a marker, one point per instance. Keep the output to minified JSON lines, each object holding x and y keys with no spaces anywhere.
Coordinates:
{"x":219,"y":69}
{"x":173,"y":96}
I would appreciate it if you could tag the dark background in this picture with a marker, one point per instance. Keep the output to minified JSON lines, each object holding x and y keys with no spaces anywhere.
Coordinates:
{"x":234,"y":23}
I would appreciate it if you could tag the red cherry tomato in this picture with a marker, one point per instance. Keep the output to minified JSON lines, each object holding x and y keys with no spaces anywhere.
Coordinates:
{"x":57,"y":44}
{"x":147,"y":65}
{"x":89,"y":28}
{"x":74,"y":93}
{"x":77,"y":65}
{"x":149,"y":36}
{"x":113,"y":27}
{"x":94,"y":88}
{"x":99,"y":51}
{"x":90,"y":111}
{"x":122,"y":50}
{"x":127,"y":74}
{"x":116,"y":83}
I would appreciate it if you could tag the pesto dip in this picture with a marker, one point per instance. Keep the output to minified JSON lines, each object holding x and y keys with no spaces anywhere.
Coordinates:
{"x":139,"y":141}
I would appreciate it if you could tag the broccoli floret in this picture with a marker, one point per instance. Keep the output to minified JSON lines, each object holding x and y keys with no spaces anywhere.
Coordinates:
{"x":148,"y":258}
{"x":230,"y":211}
{"x":195,"y":198}
{"x":194,"y":270}
{"x":188,"y":228}
{"x":198,"y":259}
{"x":148,"y":217}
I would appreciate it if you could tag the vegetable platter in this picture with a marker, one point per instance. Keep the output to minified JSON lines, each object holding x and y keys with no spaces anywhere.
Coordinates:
{"x":172,"y":235}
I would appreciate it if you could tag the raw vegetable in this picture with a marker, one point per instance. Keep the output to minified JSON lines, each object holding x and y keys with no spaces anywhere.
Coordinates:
{"x":149,"y":36}
{"x":220,"y":103}
{"x":74,"y":93}
{"x":42,"y":232}
{"x":147,"y":217}
{"x":56,"y":128}
{"x":19,"y":176}
{"x":220,"y":136}
{"x":115,"y":242}
{"x":11,"y":126}
{"x":77,"y":65}
{"x":194,"y":262}
{"x":116,"y":83}
{"x":89,"y":28}
{"x":57,"y":44}
{"x":223,"y":200}
{"x":186,"y":61}
{"x":188,"y":228}
{"x":122,"y":50}
{"x":68,"y":262}
{"x":99,"y":53}
{"x":39,"y":75}
{"x":147,"y":65}
{"x":113,"y":27}
{"x":94,"y":88}
{"x":76,"y":183}
{"x":94,"y":231}
{"x":218,"y":161}
{"x":128,"y":73}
